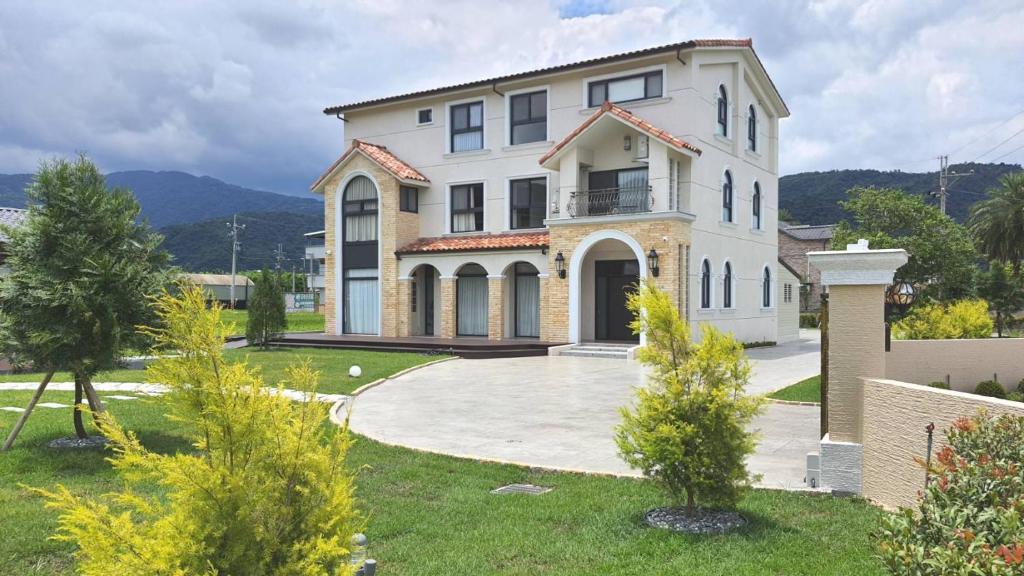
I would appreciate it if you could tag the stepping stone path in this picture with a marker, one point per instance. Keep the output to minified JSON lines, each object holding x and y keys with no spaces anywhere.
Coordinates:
{"x":138,"y":388}
{"x":12,"y":409}
{"x":52,"y":405}
{"x":120,"y":397}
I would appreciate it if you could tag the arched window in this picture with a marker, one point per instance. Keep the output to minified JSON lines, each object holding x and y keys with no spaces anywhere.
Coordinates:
{"x":723,"y":111}
{"x":360,"y":209}
{"x":727,"y":286}
{"x":705,"y":284}
{"x":727,"y":197}
{"x":751,"y":129}
{"x":766,"y":289}
{"x":756,"y":207}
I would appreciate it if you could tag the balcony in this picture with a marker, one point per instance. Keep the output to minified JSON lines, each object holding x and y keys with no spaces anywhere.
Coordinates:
{"x":610,"y":201}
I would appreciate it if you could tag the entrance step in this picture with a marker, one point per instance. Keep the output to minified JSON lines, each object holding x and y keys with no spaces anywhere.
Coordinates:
{"x":598,"y":350}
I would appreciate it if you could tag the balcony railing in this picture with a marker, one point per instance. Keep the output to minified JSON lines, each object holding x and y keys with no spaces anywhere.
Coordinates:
{"x":610,"y":201}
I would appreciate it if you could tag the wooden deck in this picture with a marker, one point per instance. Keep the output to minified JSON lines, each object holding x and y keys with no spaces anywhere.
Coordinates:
{"x":465,"y":347}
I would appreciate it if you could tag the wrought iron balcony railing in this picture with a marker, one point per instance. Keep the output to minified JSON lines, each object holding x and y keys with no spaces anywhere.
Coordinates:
{"x":610,"y":201}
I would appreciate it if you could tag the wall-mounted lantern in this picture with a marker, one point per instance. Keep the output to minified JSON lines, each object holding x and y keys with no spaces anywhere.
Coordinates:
{"x":652,"y":262}
{"x":900,"y":296}
{"x":560,"y":264}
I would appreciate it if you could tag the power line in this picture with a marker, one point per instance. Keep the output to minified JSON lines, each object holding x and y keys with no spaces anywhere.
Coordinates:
{"x":992,"y":149}
{"x":1017,"y":149}
{"x":990,"y":131}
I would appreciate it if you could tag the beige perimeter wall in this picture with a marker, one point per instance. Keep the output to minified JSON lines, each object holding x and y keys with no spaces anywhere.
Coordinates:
{"x":895,"y":417}
{"x":967,"y":362}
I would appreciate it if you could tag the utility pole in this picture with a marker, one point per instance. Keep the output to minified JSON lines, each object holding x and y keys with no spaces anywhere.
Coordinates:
{"x":235,"y":228}
{"x":278,"y":256}
{"x":944,"y":182}
{"x":293,"y":277}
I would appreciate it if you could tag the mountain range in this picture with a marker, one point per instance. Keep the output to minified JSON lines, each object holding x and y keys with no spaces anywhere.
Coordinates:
{"x":191,"y":211}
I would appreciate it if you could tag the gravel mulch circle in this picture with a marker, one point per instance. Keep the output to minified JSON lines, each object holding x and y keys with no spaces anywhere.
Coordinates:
{"x":76,"y":443}
{"x":704,"y":521}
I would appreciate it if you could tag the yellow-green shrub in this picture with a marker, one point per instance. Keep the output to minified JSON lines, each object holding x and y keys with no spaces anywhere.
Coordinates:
{"x":265,"y":492}
{"x":688,"y":431}
{"x":936,"y":321}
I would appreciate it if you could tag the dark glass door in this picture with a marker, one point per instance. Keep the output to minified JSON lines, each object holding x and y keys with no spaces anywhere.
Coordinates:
{"x":613,"y":280}
{"x":428,"y":304}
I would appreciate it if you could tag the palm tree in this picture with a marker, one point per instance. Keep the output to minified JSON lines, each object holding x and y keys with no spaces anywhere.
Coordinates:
{"x":998,"y":222}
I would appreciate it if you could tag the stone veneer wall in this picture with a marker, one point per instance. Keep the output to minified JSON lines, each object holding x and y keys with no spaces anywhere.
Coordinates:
{"x":895,"y":416}
{"x":966,"y":362}
{"x":648,"y":233}
{"x":397,"y":228}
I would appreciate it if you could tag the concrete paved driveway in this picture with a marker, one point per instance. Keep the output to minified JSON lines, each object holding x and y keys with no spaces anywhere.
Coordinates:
{"x":560,"y":412}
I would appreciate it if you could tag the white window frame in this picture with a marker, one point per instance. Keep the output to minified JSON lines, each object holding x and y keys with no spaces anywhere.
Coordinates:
{"x":585,"y":86}
{"x":508,"y":114}
{"x":757,"y":120}
{"x":448,"y":206}
{"x":448,"y":124}
{"x":721,"y":197}
{"x":728,"y":112}
{"x":711,"y":285}
{"x":771,"y":289}
{"x":755,"y":186}
{"x":507,"y":200}
{"x":418,"y":110}
{"x":732,"y":285}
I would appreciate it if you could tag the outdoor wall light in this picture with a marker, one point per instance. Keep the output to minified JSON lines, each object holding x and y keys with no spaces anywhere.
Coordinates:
{"x":627,"y":142}
{"x":560,"y":264}
{"x":652,"y":262}
{"x":900,"y":295}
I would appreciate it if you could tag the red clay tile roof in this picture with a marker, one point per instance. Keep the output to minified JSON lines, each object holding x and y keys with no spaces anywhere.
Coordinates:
{"x":689,"y":44}
{"x":507,"y":241}
{"x":379,"y":154}
{"x":630,"y":118}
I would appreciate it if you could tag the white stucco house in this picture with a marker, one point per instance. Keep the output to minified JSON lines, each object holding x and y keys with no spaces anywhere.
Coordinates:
{"x":524,"y":206}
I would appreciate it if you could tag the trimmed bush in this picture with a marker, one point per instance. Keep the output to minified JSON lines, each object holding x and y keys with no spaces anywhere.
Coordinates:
{"x":1020,"y":386}
{"x":936,"y":321}
{"x":939,"y":384}
{"x":968,"y":520}
{"x":809,"y":319}
{"x":1015,"y":396}
{"x":990,"y":388}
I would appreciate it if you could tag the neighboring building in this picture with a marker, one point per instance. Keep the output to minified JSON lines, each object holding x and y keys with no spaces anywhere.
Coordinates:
{"x":314,"y":265}
{"x":789,"y":303}
{"x":525,"y":205}
{"x":218,"y":288}
{"x":12,"y":217}
{"x":794,"y":244}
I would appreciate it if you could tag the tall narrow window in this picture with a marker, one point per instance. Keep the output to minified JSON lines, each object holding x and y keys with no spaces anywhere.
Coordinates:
{"x":360,"y":209}
{"x":751,"y":129}
{"x":705,"y":284}
{"x":723,"y":111}
{"x":529,"y":202}
{"x":727,"y":286}
{"x":467,"y":130}
{"x":467,"y":207}
{"x":756,"y":207}
{"x":529,"y":117}
{"x":727,"y":197}
{"x":766,"y":289}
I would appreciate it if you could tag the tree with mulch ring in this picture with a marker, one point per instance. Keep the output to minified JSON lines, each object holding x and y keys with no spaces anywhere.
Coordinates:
{"x":83,"y":270}
{"x":688,"y":429}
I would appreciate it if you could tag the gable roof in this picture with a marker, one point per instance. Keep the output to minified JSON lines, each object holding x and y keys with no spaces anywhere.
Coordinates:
{"x":504,"y":241}
{"x":809,"y":232}
{"x":796,"y":274}
{"x":381,"y":156}
{"x":675,"y":47}
{"x":626,"y":117}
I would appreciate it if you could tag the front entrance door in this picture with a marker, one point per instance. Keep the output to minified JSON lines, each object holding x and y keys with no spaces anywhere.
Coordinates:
{"x":613,"y":279}
{"x":428,"y":304}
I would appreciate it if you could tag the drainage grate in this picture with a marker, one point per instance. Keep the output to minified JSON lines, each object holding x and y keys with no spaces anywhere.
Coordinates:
{"x":522,"y":489}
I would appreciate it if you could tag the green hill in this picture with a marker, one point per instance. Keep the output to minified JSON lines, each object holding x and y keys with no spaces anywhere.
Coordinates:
{"x":813,"y":197}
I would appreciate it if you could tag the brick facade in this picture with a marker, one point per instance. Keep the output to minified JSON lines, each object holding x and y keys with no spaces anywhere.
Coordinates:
{"x":793,"y":251}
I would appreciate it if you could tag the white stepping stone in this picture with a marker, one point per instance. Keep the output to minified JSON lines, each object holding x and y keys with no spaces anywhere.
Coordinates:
{"x":52,"y":405}
{"x":120,"y":397}
{"x":12,"y":409}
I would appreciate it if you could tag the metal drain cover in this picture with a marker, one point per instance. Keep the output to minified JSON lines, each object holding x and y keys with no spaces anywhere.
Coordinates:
{"x":522,"y":489}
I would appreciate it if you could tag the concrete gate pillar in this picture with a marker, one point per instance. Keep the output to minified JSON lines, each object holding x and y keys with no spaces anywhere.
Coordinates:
{"x":856,"y":278}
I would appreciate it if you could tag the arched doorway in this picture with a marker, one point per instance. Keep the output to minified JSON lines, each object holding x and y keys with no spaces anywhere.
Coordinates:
{"x":471,"y":301}
{"x":360,"y":282}
{"x":604,"y":267}
{"x":522,"y":300}
{"x":424,"y":314}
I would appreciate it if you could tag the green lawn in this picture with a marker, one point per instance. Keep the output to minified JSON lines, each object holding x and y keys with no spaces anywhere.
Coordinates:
{"x":332,"y":364}
{"x":432,"y":514}
{"x":297,"y":321}
{"x":808,"y":390}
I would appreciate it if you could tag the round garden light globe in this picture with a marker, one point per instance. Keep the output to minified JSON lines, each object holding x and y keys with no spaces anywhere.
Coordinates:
{"x":355,"y":371}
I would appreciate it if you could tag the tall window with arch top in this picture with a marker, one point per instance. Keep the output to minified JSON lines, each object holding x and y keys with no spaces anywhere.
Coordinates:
{"x":755,"y":202}
{"x":727,"y":197}
{"x":723,"y":111}
{"x":752,"y":129}
{"x":705,"y":284}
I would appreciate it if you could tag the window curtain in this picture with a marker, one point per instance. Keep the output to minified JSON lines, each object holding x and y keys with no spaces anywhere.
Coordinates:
{"x":362,"y":228}
{"x":528,"y":306}
{"x":632,"y":185}
{"x":360,"y":195}
{"x":362,"y":301}
{"x":472,"y":305}
{"x":465,"y":198}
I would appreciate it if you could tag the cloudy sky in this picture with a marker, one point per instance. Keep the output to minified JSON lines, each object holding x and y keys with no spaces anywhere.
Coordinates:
{"x":234,"y":89}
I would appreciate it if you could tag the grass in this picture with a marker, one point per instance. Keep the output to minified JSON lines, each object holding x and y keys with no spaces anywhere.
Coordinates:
{"x":297,"y":321}
{"x":432,"y":514}
{"x":808,"y":390}
{"x":332,"y":364}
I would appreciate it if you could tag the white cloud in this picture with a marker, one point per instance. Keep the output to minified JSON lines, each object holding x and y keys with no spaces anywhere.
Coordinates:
{"x":235,"y":89}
